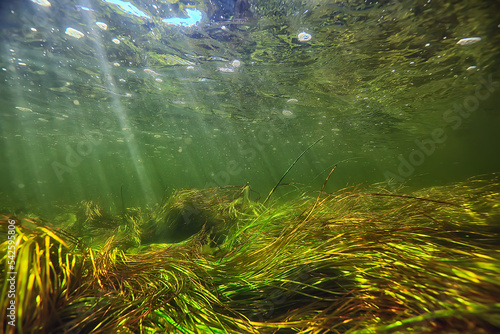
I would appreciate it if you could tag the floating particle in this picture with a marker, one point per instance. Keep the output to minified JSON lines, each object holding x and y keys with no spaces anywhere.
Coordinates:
{"x":150,"y":72}
{"x":158,"y":80}
{"x":76,"y":102}
{"x":292,"y":100}
{"x":190,"y":68}
{"x":470,"y":68}
{"x":116,"y":41}
{"x":287,"y":113}
{"x":157,"y":136}
{"x":102,"y":25}
{"x":468,"y":41}
{"x":24,"y":109}
{"x":116,"y":64}
{"x":180,"y":149}
{"x":225,"y":69}
{"x":80,"y":7}
{"x":236,"y":63}
{"x":218,"y":58}
{"x":74,"y":33}
{"x":304,"y":37}
{"x":43,"y":3}
{"x":130,"y":71}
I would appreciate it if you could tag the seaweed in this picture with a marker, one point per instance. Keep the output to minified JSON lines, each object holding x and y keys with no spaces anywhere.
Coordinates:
{"x":360,"y":260}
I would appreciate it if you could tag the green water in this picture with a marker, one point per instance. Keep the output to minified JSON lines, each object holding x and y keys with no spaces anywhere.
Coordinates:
{"x":125,"y":113}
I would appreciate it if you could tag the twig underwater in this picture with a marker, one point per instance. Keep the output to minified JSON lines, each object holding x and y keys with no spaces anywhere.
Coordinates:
{"x":289,"y":168}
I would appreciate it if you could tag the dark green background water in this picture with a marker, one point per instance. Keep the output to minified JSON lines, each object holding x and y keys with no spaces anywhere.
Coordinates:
{"x":395,"y":97}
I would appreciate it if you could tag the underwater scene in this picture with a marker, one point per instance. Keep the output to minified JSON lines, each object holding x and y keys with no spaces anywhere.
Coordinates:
{"x":249,"y":166}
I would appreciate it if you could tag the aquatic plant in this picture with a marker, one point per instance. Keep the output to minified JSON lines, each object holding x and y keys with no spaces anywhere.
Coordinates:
{"x":359,"y":260}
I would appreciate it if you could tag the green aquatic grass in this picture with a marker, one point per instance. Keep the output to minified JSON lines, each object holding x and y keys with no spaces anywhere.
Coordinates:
{"x":356,"y":261}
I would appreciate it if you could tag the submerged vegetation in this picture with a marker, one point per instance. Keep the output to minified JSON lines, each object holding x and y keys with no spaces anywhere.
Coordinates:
{"x":215,"y":261}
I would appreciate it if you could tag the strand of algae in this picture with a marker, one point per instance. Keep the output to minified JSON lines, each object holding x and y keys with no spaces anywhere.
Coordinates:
{"x":289,"y":168}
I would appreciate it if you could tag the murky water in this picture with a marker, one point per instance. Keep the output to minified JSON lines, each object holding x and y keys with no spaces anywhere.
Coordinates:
{"x":104,"y":99}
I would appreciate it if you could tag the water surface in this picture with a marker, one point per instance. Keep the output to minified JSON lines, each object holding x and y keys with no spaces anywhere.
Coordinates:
{"x":108,"y":99}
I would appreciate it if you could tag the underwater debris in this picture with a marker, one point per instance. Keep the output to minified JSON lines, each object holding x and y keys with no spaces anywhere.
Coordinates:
{"x":74,"y":33}
{"x":289,"y":168}
{"x":304,"y":37}
{"x":355,"y":261}
{"x":469,"y":41}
